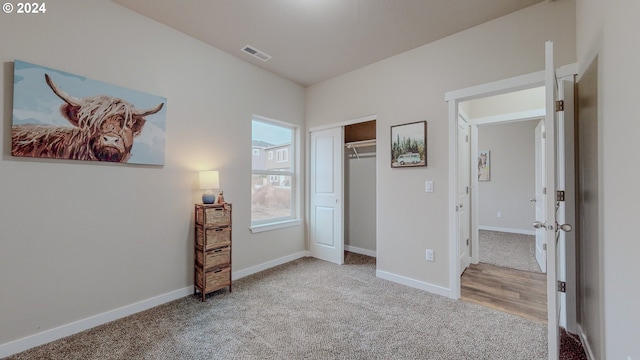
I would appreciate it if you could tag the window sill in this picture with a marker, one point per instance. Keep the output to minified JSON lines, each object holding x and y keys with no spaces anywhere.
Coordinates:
{"x":274,"y":226}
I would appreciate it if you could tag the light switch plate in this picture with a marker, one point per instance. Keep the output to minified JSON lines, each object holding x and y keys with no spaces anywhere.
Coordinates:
{"x":428,"y":186}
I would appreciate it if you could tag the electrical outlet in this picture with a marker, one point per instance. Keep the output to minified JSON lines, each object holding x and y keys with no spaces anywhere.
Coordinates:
{"x":499,"y":215}
{"x":430,"y":255}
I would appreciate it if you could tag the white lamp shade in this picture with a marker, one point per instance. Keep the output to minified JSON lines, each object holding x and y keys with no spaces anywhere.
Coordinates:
{"x":209,"y":180}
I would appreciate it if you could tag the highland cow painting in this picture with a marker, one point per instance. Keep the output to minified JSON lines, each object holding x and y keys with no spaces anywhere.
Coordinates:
{"x":64,"y":116}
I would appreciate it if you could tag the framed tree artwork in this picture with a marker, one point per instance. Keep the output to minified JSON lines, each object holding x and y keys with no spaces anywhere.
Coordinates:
{"x":409,"y":145}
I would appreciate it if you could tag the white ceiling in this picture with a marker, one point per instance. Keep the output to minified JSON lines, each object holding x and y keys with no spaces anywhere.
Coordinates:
{"x":314,"y":40}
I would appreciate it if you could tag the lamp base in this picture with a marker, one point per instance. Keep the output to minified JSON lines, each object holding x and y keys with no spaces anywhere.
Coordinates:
{"x":208,"y":197}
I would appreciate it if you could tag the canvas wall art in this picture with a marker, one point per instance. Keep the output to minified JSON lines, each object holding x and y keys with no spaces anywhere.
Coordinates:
{"x":409,"y":145}
{"x":484,"y":165}
{"x":64,"y":116}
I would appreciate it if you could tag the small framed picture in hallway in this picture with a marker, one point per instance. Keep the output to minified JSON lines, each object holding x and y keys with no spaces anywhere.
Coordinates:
{"x":484,"y":165}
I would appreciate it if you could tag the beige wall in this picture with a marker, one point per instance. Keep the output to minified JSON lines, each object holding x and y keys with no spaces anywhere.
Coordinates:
{"x":512,"y":184}
{"x":360,"y":196}
{"x":608,"y":30}
{"x":620,"y":191}
{"x":82,"y":238}
{"x":515,"y":102}
{"x":411,"y":87}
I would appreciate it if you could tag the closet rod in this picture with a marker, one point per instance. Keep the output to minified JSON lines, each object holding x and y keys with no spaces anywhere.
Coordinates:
{"x":359,"y":156}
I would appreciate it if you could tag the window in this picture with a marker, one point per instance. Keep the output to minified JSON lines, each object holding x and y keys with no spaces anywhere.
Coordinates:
{"x":256,"y":152}
{"x":274,"y":196}
{"x":282,"y":155}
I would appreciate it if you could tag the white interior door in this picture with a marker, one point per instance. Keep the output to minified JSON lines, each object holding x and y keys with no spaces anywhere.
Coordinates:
{"x":550,"y":224}
{"x":325,"y":195}
{"x":464,"y":186}
{"x":540,"y":199}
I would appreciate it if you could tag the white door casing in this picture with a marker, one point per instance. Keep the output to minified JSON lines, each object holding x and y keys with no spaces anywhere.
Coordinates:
{"x":540,"y":199}
{"x":326,"y":193}
{"x":517,"y":83}
{"x":547,"y":78}
{"x":464,"y":187}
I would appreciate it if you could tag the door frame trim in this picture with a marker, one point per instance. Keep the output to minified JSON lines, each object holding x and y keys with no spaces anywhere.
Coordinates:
{"x":307,"y":173}
{"x":537,"y":114}
{"x":454,"y":98}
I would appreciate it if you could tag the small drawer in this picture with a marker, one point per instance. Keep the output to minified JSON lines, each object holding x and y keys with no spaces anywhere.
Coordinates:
{"x":213,"y":280}
{"x":214,"y":258}
{"x":214,"y":215}
{"x":212,"y":238}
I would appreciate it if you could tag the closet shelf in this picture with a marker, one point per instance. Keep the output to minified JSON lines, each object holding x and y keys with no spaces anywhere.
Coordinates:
{"x":356,"y":144}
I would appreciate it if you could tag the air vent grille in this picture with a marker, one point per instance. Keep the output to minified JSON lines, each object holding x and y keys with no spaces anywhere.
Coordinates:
{"x":256,"y":53}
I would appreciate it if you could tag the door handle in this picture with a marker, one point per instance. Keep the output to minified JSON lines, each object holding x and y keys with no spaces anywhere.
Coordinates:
{"x":565,"y":227}
{"x":532,"y":200}
{"x":541,"y":225}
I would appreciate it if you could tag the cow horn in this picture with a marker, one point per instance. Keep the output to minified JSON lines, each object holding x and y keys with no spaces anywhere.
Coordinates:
{"x":145,"y":112}
{"x":73,"y":101}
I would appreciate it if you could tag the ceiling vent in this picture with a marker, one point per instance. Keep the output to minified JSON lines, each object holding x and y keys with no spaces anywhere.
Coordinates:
{"x":256,"y":53}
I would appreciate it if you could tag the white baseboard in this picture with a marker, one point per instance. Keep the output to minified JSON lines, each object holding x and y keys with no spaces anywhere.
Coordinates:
{"x":508,"y":230}
{"x":585,"y":344}
{"x":360,"y":251}
{"x":439,"y":290}
{"x":75,"y":327}
{"x":269,"y":264}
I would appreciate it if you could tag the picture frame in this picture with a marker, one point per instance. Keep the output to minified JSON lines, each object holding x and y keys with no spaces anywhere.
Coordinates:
{"x":409,"y":144}
{"x":59,"y":115}
{"x":484,"y":165}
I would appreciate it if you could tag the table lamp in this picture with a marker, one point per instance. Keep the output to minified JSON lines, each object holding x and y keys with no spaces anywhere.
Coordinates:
{"x":209,"y":180}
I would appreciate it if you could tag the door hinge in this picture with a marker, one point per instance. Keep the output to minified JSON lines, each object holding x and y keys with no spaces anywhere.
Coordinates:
{"x":562,"y":286}
{"x":467,"y":242}
{"x":560,"y":195}
{"x":544,"y":191}
{"x":466,"y":138}
{"x":560,"y":105}
{"x":468,"y":189}
{"x":544,"y":247}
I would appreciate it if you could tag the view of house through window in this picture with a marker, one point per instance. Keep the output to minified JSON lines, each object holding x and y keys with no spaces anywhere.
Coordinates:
{"x":273,"y":172}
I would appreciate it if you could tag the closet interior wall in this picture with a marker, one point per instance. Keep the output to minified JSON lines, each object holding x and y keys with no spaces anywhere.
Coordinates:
{"x":360,"y":188}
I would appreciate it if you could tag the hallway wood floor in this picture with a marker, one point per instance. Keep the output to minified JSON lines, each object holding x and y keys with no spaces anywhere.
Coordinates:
{"x":513,"y":291}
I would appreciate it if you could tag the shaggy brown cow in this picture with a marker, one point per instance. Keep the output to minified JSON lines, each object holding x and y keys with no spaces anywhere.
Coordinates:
{"x":103,"y":129}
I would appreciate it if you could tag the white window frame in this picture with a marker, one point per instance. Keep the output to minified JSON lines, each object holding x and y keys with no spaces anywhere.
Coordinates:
{"x":294,"y":158}
{"x":256,"y":152}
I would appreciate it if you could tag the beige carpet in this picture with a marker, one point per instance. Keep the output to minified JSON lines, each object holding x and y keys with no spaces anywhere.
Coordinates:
{"x":515,"y":251}
{"x":310,"y":309}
